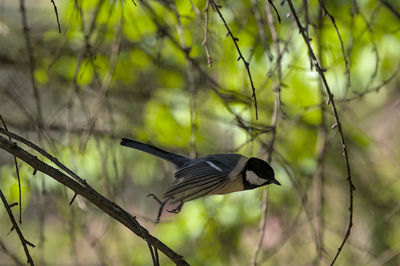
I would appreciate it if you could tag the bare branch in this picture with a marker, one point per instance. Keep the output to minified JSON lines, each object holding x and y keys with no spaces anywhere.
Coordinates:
{"x":214,"y":85}
{"x":261,"y":28}
{"x":109,"y":207}
{"x":10,"y":254}
{"x":205,"y":39}
{"x":56,"y":12}
{"x":275,"y":116}
{"x":321,"y":148}
{"x":24,"y":242}
{"x":18,"y":177}
{"x":31,"y":58}
{"x":338,"y":124}
{"x":97,"y":105}
{"x":235,"y":41}
{"x":391,"y":8}
{"x":192,"y":83}
{"x":376,"y":88}
{"x":45,"y":154}
{"x":346,"y":61}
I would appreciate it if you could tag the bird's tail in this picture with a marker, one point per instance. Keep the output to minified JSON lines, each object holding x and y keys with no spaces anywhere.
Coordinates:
{"x":176,"y":159}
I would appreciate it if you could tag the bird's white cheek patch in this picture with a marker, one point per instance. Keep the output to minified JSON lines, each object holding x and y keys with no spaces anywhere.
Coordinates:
{"x":254,"y":179}
{"x":213,"y":166}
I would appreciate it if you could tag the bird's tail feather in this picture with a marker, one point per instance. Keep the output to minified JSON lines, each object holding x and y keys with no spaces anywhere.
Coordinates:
{"x":176,"y":159}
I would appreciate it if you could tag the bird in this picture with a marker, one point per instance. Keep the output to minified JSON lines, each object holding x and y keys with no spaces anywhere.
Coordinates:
{"x":209,"y":175}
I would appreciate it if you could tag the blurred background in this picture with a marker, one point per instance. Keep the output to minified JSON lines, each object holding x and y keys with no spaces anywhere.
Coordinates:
{"x":149,"y":71}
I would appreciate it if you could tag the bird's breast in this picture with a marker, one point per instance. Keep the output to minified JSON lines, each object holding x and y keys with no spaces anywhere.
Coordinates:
{"x":233,"y":185}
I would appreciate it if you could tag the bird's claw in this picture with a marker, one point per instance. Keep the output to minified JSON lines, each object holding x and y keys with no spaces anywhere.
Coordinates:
{"x":162,"y":205}
{"x":177,"y":209}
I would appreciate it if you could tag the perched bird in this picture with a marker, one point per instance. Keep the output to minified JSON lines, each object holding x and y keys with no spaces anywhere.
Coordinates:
{"x":208,"y":175}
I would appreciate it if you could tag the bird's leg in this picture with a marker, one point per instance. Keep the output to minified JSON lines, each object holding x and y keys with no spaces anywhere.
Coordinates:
{"x":177,"y":209}
{"x":155,"y":197}
{"x":162,"y":205}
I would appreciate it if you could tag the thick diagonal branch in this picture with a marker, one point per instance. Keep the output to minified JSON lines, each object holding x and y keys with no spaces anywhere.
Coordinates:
{"x":109,"y":207}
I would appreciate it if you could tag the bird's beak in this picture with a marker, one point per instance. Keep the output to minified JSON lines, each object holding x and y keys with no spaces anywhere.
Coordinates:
{"x":276,"y":182}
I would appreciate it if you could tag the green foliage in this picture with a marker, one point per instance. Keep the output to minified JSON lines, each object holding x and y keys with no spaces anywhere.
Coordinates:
{"x":121,"y":70}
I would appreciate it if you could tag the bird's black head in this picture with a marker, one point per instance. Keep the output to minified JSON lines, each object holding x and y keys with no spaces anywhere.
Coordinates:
{"x":258,"y":173}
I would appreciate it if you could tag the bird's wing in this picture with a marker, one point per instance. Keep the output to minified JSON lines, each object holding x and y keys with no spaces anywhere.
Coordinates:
{"x":198,"y":179}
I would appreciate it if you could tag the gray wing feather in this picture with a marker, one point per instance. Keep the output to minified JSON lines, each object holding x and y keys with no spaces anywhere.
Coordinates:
{"x":201,"y":177}
{"x":190,"y":184}
{"x":202,"y":192}
{"x":197,"y":191}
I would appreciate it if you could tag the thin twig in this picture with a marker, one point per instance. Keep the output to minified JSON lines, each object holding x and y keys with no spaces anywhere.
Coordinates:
{"x":395,"y":12}
{"x":31,"y":58}
{"x":212,"y":83}
{"x":346,"y":61}
{"x":355,"y":11}
{"x":56,"y":12}
{"x":97,"y":105}
{"x":84,"y":52}
{"x":18,"y":177}
{"x":206,"y":31}
{"x":10,"y":254}
{"x":284,"y":163}
{"x":376,"y":88}
{"x":337,"y":124}
{"x":275,"y":117}
{"x":241,"y":57}
{"x":192,"y":84}
{"x":195,"y":9}
{"x":286,"y":235}
{"x":154,"y":257}
{"x":261,"y":29}
{"x":275,"y":9}
{"x":321,"y":148}
{"x":307,"y":22}
{"x":24,"y":242}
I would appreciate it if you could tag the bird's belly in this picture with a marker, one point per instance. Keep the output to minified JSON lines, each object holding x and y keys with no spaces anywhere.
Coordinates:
{"x":231,"y":186}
